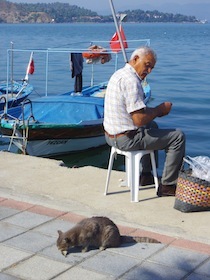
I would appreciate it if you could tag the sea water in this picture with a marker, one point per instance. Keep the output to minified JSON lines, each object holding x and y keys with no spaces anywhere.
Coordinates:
{"x":181,"y":74}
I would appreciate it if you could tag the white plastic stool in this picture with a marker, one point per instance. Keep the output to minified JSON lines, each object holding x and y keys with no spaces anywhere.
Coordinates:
{"x":132,"y":167}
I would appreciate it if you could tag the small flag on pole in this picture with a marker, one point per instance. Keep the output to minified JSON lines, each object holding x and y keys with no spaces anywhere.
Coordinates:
{"x":115,"y":43}
{"x":30,"y":68}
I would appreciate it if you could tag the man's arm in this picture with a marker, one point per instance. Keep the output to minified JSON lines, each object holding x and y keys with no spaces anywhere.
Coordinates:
{"x":146,"y":115}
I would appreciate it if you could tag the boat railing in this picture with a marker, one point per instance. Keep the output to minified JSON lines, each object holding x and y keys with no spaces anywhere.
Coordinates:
{"x":49,"y":58}
{"x":31,"y":115}
{"x":3,"y":98}
{"x":21,"y":90}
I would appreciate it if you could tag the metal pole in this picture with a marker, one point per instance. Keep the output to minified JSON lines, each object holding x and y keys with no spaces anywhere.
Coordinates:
{"x":46,"y":82}
{"x":12,"y":68}
{"x":92,"y":76}
{"x":7,"y":90}
{"x":118,"y":31}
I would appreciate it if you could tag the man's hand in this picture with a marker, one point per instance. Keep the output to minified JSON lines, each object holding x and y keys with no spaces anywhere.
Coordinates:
{"x":163,"y":109}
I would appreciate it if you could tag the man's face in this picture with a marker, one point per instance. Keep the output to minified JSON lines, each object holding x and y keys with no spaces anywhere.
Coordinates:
{"x":144,"y":66}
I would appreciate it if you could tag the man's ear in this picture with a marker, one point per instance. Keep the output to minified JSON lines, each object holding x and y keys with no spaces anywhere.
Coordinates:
{"x":136,"y":57}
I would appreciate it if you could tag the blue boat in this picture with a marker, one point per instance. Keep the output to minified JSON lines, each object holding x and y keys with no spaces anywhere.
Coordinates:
{"x":11,"y":96}
{"x":61,"y":124}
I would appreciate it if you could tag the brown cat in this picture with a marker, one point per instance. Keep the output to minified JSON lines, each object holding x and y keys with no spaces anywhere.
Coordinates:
{"x":99,"y":232}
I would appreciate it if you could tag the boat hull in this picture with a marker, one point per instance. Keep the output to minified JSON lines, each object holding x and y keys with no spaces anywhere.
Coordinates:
{"x":51,"y":141}
{"x":64,"y":132}
{"x":54,"y":147}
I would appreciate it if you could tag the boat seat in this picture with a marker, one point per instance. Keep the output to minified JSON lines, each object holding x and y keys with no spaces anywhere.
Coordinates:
{"x":132,"y":168}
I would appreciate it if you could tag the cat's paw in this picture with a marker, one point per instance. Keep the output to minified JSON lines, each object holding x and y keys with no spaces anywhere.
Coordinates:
{"x":85,"y":249}
{"x":64,"y":253}
{"x":102,"y":248}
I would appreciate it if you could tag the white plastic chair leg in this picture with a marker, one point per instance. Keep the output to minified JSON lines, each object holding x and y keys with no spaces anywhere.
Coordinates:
{"x":111,"y":161}
{"x":154,"y":170}
{"x":136,"y":174}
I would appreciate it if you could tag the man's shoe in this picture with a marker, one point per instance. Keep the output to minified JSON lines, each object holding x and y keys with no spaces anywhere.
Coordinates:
{"x":146,"y":179}
{"x":166,"y":190}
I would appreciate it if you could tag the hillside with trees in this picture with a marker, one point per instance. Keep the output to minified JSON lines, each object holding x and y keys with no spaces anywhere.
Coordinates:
{"x":65,"y":13}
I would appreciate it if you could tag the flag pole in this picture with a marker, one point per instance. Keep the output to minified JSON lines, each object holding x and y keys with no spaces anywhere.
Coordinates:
{"x":28,"y":67}
{"x":118,"y":31}
{"x":12,"y":67}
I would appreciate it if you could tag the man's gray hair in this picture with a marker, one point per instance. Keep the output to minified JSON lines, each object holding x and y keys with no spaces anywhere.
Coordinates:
{"x":142,"y":51}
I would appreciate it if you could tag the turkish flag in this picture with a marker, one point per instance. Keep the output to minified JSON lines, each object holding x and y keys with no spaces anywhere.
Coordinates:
{"x":31,"y":68}
{"x":115,"y":43}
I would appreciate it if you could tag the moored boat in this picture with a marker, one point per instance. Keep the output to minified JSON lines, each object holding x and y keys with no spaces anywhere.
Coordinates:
{"x":11,"y":96}
{"x":55,"y":125}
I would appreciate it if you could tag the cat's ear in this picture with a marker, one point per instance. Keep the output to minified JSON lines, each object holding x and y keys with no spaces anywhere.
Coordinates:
{"x":60,"y":232}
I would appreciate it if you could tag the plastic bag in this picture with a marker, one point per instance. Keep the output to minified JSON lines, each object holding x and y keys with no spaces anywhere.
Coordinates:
{"x":200,"y":166}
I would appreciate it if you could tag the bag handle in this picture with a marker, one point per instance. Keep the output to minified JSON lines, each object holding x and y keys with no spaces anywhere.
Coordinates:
{"x":194,"y":163}
{"x":189,"y":161}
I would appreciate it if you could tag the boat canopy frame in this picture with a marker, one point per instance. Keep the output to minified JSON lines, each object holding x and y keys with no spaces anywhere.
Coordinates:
{"x":50,"y":51}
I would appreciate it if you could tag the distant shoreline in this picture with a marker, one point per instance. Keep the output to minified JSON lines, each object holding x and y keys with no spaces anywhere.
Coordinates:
{"x":94,"y":23}
{"x":57,"y":12}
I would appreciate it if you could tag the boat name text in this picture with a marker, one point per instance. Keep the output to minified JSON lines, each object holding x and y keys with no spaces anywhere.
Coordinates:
{"x":57,"y":142}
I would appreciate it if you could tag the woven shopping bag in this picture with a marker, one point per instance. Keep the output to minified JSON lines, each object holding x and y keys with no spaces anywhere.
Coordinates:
{"x":192,"y":193}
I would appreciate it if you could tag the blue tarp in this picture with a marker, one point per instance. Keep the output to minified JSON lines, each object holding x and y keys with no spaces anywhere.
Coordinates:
{"x":66,"y":109}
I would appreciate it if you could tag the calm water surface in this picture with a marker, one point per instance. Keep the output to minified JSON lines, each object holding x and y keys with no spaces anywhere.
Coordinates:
{"x":181,"y":75}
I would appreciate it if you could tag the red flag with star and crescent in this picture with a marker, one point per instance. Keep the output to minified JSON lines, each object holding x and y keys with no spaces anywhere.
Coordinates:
{"x":30,"y":68}
{"x":115,"y":42}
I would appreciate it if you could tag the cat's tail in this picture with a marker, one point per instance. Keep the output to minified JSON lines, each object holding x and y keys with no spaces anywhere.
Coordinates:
{"x":136,"y":239}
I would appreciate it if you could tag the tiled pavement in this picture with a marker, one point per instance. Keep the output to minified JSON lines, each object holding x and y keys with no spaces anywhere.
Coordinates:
{"x":28,"y":250}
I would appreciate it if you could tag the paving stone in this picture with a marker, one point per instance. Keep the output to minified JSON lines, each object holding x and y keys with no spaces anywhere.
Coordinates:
{"x":204,"y":269}
{"x":76,"y":273}
{"x":15,"y":204}
{"x":7,"y":277}
{"x":7,"y":212}
{"x":109,"y":263}
{"x":196,"y":276}
{"x":10,"y":256}
{"x":52,"y":227}
{"x":75,"y":256}
{"x":8,"y":231}
{"x":154,"y":271}
{"x":181,"y":259}
{"x":31,"y":241}
{"x":38,"y":268}
{"x":27,"y":219}
{"x":139,"y":251}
